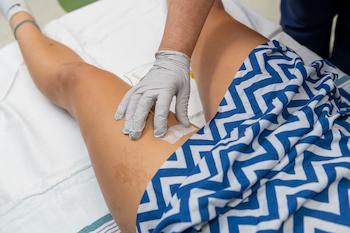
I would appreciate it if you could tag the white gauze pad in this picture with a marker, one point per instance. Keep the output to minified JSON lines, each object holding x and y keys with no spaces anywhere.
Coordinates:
{"x":176,"y":132}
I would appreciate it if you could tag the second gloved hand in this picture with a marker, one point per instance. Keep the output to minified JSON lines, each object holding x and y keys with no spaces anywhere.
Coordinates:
{"x":169,"y":77}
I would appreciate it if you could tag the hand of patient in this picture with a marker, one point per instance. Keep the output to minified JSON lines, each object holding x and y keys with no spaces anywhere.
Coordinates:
{"x":169,"y":77}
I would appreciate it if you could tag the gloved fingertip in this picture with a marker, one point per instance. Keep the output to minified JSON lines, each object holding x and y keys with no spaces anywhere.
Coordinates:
{"x":126,"y":131}
{"x":185,"y":122}
{"x":118,"y":116}
{"x":160,"y":127}
{"x":134,"y":135}
{"x":160,"y":133}
{"x":182,"y":117}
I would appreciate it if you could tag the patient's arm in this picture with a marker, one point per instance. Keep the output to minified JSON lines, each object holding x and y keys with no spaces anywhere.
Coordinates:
{"x":124,"y":167}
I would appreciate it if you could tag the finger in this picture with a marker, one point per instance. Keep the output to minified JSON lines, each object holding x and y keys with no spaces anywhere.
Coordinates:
{"x":161,"y":114}
{"x":139,"y":120}
{"x":181,"y":107}
{"x":119,"y":114}
{"x":130,"y":112}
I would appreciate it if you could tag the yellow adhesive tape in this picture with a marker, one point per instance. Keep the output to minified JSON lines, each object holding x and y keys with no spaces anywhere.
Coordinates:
{"x":191,"y":74}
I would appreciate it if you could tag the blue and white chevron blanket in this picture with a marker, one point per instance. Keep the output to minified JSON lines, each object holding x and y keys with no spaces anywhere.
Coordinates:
{"x":275,"y":158}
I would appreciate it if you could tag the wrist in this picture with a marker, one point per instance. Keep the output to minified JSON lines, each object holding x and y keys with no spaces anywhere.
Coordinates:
{"x":177,"y":49}
{"x":173,"y":57}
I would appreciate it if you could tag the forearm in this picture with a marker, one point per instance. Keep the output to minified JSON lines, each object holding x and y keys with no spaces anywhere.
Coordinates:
{"x":184,"y":24}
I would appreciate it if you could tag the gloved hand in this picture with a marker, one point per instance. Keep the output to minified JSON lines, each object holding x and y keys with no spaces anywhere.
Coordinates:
{"x":169,"y":77}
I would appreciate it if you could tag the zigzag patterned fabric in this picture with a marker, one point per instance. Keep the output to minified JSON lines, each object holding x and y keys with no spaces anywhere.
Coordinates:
{"x":275,"y":158}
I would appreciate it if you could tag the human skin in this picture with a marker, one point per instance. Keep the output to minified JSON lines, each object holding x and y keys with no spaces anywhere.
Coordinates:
{"x":123,"y":167}
{"x":184,"y":23}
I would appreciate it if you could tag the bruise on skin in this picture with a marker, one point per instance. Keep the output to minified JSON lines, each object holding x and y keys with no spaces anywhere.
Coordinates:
{"x":129,"y":175}
{"x":131,"y":171}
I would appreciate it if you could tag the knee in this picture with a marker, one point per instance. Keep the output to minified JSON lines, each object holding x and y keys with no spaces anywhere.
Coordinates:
{"x":68,"y":78}
{"x":70,"y":74}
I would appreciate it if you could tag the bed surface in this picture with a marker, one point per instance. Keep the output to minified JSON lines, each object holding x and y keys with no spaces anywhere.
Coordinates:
{"x":46,"y":180}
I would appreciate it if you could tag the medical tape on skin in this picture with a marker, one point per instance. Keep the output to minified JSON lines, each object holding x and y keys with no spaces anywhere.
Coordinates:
{"x":176,"y":132}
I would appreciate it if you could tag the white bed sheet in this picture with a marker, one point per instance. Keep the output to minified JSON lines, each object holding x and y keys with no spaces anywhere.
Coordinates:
{"x":46,"y":180}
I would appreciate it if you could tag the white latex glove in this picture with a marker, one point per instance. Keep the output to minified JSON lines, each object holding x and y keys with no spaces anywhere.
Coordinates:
{"x":169,"y":77}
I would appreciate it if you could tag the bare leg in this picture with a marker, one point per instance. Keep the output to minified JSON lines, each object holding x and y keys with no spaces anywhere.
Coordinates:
{"x":124,"y":167}
{"x":44,"y":57}
{"x":220,"y":51}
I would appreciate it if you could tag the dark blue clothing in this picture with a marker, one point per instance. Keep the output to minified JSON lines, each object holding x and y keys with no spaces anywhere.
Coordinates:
{"x":310,"y":23}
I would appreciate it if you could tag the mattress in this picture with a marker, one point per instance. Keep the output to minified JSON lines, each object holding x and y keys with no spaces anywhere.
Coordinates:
{"x":46,"y":180}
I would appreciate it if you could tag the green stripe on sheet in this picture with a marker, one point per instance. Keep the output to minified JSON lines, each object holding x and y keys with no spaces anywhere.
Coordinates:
{"x":71,"y":5}
{"x":342,"y":80}
{"x":98,"y":223}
